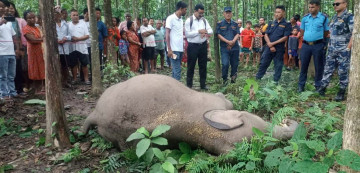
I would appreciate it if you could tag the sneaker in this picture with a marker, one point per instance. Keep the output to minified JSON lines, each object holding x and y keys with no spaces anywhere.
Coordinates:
{"x":87,"y":82}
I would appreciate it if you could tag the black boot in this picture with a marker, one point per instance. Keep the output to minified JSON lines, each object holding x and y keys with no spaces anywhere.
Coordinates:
{"x":300,"y":89}
{"x":340,"y":95}
{"x":321,"y":90}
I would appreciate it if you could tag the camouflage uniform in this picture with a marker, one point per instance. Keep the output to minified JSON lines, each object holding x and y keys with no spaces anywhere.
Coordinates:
{"x":341,"y":28}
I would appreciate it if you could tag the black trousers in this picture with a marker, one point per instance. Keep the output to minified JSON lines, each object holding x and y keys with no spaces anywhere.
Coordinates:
{"x":196,"y":52}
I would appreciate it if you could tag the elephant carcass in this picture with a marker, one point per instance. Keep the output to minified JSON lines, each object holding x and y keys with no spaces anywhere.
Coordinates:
{"x":150,"y":100}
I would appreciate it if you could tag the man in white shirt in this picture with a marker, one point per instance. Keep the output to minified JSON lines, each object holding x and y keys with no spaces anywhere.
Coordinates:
{"x":174,"y":38}
{"x":197,"y":31}
{"x":63,"y":36}
{"x":122,"y":25}
{"x":147,"y":33}
{"x":78,"y":48}
{"x":7,"y":57}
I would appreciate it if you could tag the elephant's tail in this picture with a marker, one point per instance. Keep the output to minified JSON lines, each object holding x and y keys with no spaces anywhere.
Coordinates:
{"x":89,"y":122}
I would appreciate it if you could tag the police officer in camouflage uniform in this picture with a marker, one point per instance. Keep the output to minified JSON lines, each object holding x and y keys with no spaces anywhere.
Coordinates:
{"x":228,"y":32}
{"x":341,"y":28}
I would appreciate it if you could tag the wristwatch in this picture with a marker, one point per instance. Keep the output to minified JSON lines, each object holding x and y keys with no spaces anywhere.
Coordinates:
{"x":348,"y":49}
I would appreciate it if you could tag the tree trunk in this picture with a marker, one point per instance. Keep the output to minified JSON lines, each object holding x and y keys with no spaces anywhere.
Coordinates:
{"x":245,"y":12}
{"x":127,"y":6}
{"x":236,"y":9}
{"x":58,"y":2}
{"x":190,"y":8}
{"x":305,"y":7}
{"x":55,"y":113}
{"x":96,"y":88}
{"x":351,"y":137}
{"x":135,"y":10}
{"x":216,"y":43}
{"x":110,"y":48}
{"x":75,"y":4}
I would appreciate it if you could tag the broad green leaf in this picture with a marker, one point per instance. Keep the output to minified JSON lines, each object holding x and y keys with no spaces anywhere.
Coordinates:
{"x":135,"y":135}
{"x":149,"y":155}
{"x":184,"y":158}
{"x":159,"y":141}
{"x":300,"y":133}
{"x":318,"y":146}
{"x":253,"y":158}
{"x":142,"y":146}
{"x":310,"y":167}
{"x":157,"y":168}
{"x":335,"y":142}
{"x":285,"y":166}
{"x":273,"y":158}
{"x":305,"y":152}
{"x":184,"y":147}
{"x":238,"y":166}
{"x":176,"y":154}
{"x":159,"y":154}
{"x":171,"y":160}
{"x":348,"y":158}
{"x":159,"y":130}
{"x":143,"y":131}
{"x":250,"y":166}
{"x":167,"y":166}
{"x":258,"y":132}
{"x":35,"y":101}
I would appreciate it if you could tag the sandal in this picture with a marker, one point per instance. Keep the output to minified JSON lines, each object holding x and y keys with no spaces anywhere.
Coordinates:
{"x":88,"y":82}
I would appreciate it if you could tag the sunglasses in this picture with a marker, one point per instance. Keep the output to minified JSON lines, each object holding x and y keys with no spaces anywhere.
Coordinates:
{"x":337,"y":4}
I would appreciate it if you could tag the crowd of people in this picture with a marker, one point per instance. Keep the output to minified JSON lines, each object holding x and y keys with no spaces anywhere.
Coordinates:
{"x":175,"y":41}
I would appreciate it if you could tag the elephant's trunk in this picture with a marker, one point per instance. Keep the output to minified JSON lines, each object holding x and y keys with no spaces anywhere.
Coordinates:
{"x":286,"y":131}
{"x":89,"y":122}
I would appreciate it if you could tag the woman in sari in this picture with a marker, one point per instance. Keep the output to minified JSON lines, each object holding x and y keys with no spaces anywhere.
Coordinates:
{"x":133,"y":47}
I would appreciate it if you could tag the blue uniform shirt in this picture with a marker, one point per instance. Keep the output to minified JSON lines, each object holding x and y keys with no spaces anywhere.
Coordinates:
{"x":314,"y":27}
{"x":228,"y":31}
{"x":277,"y":30}
{"x":102,"y":33}
{"x":341,"y":28}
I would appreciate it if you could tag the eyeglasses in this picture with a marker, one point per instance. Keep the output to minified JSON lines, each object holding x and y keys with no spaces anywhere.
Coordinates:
{"x":337,"y":3}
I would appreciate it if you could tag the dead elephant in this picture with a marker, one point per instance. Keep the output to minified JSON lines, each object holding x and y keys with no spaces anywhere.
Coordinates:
{"x":150,"y":100}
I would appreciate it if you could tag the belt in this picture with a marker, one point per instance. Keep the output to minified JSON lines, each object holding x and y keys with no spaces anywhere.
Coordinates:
{"x":199,"y":43}
{"x":313,"y":42}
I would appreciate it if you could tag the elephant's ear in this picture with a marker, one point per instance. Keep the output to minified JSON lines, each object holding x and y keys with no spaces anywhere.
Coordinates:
{"x":223,"y":119}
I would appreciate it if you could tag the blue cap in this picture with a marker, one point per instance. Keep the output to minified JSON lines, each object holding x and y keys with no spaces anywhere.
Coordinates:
{"x":226,"y":9}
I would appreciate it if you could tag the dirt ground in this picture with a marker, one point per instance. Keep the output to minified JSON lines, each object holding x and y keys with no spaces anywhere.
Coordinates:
{"x":23,"y":154}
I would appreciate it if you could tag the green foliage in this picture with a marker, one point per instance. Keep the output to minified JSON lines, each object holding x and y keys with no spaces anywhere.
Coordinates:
{"x":147,"y":139}
{"x":35,"y":101}
{"x":114,"y":74}
{"x":6,"y":167}
{"x":99,"y":142}
{"x":71,"y":154}
{"x":145,"y":151}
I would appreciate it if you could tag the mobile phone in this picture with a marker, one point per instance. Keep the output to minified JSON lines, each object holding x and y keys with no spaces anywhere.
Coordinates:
{"x":81,"y":17}
{"x":10,"y":19}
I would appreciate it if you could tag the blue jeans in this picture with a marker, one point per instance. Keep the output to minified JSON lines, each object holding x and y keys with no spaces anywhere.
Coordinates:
{"x":319,"y":62}
{"x":229,"y":57}
{"x":7,"y":75}
{"x":176,"y":65}
{"x":266,"y":59}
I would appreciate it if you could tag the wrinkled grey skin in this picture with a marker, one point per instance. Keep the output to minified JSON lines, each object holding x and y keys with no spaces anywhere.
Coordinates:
{"x":150,"y":100}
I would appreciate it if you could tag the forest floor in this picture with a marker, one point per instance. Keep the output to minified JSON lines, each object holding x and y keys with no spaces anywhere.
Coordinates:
{"x":22,"y":136}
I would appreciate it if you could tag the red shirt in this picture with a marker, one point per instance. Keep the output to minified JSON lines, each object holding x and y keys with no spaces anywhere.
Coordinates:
{"x":247,"y":36}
